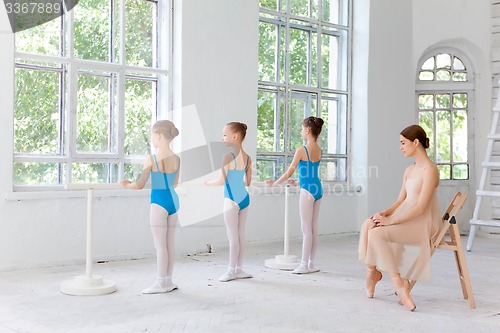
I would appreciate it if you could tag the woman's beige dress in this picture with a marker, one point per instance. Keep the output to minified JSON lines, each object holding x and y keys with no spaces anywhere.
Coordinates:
{"x":403,"y":248}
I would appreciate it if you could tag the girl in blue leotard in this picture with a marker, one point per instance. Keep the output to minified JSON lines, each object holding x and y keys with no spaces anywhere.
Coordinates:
{"x":306,"y":160}
{"x":164,"y":170}
{"x":236,"y":173}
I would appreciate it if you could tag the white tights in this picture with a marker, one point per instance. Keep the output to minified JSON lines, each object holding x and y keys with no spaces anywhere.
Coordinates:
{"x":163,"y":228}
{"x":309,"y":211}
{"x":235,"y":220}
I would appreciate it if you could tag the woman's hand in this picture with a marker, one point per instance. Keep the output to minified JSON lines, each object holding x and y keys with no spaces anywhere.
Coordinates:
{"x":293,"y":182}
{"x":125,"y":183}
{"x":269,"y":182}
{"x":381,"y":220}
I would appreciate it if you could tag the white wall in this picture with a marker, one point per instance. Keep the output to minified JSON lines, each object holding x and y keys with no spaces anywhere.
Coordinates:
{"x":218,"y":74}
{"x":390,"y":97}
{"x":464,"y":25}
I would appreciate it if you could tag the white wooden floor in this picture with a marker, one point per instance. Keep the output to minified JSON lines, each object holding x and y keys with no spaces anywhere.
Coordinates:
{"x":332,"y":300}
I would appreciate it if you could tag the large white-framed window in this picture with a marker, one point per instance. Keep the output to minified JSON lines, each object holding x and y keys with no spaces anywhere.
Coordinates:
{"x":88,"y":85}
{"x":304,"y":61}
{"x":444,"y":98}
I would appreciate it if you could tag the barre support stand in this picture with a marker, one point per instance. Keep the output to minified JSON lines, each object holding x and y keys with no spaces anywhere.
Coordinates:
{"x":286,"y":261}
{"x":88,"y":284}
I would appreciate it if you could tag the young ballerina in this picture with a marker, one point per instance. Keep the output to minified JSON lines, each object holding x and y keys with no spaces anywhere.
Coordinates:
{"x":307,"y":160}
{"x":164,"y":170}
{"x":236,"y":173}
{"x":399,"y":237}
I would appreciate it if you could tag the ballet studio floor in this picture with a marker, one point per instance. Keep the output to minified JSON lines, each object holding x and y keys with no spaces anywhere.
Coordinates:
{"x":332,"y":300}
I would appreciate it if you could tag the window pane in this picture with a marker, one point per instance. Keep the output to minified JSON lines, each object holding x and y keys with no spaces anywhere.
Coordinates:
{"x":460,"y":77}
{"x":443,"y":101}
{"x":270,"y":167}
{"x":458,"y":64}
{"x":282,"y":54}
{"x":302,"y":105}
{"x":283,"y":6}
{"x":42,"y":39}
{"x":132,"y":171}
{"x":116,"y":32}
{"x":460,"y":171}
{"x":332,"y":170}
{"x":314,"y":9}
{"x":313,"y":75}
{"x":443,"y":75}
{"x":140,"y":46}
{"x":269,"y":4}
{"x":140,"y":105}
{"x":426,"y":120}
{"x":270,"y":122}
{"x":428,"y":64}
{"x":426,"y":76}
{"x":460,"y":139}
{"x":300,"y":7}
{"x":426,"y":102}
{"x":92,"y":30}
{"x":333,"y":137}
{"x":443,"y":61}
{"x":330,"y":61}
{"x":37,"y":112}
{"x":37,"y":173}
{"x":460,"y":101}
{"x":444,"y":171}
{"x":299,"y":56}
{"x":94,"y":173}
{"x":268,"y":51}
{"x":94,"y":117}
{"x":330,"y":11}
{"x":443,"y":136}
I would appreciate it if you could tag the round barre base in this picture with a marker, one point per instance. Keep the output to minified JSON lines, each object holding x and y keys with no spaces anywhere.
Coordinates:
{"x":88,"y":286}
{"x":283,"y":262}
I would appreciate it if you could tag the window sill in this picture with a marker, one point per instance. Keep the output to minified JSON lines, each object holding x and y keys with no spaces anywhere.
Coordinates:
{"x":329,"y":188}
{"x":70,"y":194}
{"x":256,"y":189}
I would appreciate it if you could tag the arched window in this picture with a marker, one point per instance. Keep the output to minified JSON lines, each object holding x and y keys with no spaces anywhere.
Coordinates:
{"x":445,"y":91}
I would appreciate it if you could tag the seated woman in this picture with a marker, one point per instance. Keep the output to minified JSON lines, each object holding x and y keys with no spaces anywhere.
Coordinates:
{"x":398,"y":239}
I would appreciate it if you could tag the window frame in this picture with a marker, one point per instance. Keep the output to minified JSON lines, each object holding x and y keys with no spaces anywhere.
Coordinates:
{"x":450,"y":87}
{"x":285,"y":90}
{"x":70,"y":67}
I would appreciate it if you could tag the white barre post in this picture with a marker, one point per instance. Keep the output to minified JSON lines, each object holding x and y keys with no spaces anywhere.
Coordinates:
{"x":285,"y":240}
{"x":285,"y":261}
{"x":88,"y":284}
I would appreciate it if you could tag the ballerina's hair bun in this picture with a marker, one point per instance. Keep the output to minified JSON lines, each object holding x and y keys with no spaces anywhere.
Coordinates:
{"x":315,"y":124}
{"x":413,"y":132}
{"x":238,"y":127}
{"x":165,"y":128}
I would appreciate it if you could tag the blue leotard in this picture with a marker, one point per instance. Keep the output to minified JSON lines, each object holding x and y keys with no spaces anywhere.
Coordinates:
{"x":308,"y":177}
{"x":234,"y":187}
{"x":162,"y":190}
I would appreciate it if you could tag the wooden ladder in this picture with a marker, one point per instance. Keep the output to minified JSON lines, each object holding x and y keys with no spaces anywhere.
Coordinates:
{"x":487,"y":165}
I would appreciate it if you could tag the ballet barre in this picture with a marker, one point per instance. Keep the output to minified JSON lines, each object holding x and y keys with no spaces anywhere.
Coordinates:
{"x":285,"y":261}
{"x":88,"y":284}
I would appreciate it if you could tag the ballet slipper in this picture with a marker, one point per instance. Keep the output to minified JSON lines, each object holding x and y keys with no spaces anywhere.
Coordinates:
{"x":156,"y":288}
{"x":313,"y":269}
{"x":229,"y":276}
{"x":372,"y":277}
{"x":243,"y":275}
{"x":403,"y":291}
{"x":302,"y":269}
{"x":171,"y":287}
